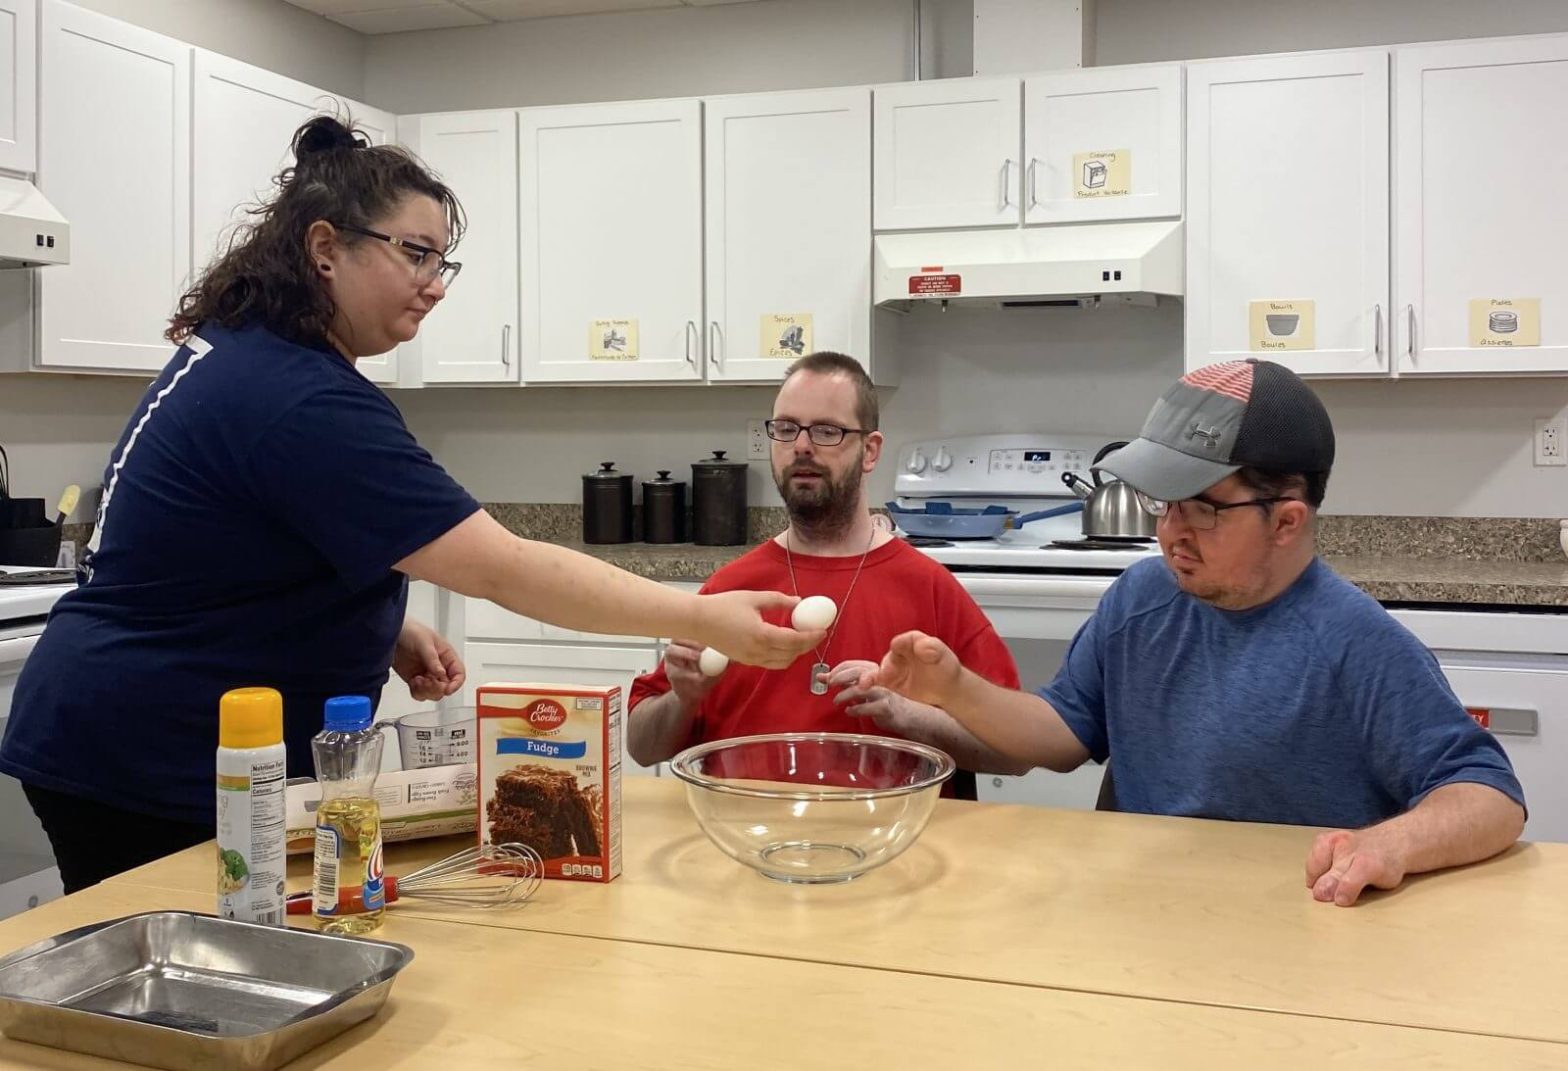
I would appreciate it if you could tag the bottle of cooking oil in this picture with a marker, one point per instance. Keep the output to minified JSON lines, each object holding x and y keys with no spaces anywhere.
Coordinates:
{"x":348,"y":887}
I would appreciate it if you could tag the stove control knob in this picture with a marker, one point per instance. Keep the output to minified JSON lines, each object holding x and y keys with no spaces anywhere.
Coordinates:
{"x":917,"y":462}
{"x":944,"y":460}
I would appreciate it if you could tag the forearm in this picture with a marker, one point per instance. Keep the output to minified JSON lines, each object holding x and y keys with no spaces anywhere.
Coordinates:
{"x":934,"y":726}
{"x":479,"y":558}
{"x":1455,"y":824}
{"x":658,"y":728}
{"x":1018,"y":729}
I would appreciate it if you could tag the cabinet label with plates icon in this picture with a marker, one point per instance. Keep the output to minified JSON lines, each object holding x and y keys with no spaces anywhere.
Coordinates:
{"x":1282,"y":325}
{"x":1106,"y":173}
{"x":786,"y":335}
{"x":1505,"y":322}
{"x":612,"y":340}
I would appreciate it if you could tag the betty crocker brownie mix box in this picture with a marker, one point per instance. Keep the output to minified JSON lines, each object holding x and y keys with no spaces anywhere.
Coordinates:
{"x":550,"y":774}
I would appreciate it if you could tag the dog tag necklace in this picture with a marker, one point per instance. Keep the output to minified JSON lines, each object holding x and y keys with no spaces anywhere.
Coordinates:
{"x":819,"y":669}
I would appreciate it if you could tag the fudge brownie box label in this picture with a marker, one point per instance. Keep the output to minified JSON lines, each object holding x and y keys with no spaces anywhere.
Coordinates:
{"x":550,"y":774}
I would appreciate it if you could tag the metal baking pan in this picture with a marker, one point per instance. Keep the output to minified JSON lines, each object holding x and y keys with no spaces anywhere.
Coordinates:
{"x":194,"y":992}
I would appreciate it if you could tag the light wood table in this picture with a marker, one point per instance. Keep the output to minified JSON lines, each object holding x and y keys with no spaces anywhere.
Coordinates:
{"x":1170,"y":909}
{"x":479,"y":997}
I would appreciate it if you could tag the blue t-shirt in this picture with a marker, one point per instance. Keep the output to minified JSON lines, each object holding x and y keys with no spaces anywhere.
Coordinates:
{"x":253,"y":510}
{"x":1317,"y":708}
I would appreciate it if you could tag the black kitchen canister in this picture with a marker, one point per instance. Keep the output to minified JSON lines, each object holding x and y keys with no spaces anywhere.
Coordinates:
{"x":664,"y":509}
{"x":607,"y":505}
{"x":718,"y":501}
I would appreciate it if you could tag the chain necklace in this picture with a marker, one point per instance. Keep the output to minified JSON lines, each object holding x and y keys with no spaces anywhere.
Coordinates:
{"x":819,"y":670}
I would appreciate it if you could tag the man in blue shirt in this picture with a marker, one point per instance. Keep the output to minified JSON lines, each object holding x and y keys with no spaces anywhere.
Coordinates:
{"x":1240,"y":678}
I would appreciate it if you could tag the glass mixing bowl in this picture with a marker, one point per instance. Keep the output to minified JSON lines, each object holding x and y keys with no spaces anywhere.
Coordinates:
{"x":812,"y":808}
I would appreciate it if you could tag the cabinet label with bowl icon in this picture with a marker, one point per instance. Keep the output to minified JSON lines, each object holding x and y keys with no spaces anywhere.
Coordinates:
{"x":612,"y":340}
{"x":1505,"y":322}
{"x":1104,"y":173}
{"x":786,"y":335}
{"x":1282,"y":325}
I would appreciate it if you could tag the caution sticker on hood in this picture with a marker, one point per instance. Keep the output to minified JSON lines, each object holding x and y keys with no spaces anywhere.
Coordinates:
{"x":936,"y":284}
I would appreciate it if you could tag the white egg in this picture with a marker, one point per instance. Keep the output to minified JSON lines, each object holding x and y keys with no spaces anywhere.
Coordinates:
{"x":712,"y":662}
{"x":814,"y":612}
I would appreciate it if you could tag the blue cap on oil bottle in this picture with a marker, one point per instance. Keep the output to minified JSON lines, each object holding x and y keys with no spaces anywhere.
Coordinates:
{"x":348,"y":713}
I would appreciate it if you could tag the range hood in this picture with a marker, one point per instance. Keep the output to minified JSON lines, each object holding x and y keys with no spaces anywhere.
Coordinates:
{"x":32,"y":233}
{"x":1062,"y":264}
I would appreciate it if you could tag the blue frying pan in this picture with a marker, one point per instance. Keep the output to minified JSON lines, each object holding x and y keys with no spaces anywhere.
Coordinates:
{"x":940,"y":520}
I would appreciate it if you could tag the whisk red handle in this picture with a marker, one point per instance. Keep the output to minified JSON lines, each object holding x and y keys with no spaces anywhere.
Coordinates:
{"x":350,"y":898}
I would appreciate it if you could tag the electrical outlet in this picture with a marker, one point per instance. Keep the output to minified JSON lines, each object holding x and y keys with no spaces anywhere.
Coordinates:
{"x":1551,"y":441}
{"x":756,"y":441}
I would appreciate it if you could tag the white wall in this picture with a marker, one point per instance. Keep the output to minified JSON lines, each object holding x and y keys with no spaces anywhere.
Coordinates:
{"x":674,"y":52}
{"x":269,"y":33}
{"x":1144,"y":31}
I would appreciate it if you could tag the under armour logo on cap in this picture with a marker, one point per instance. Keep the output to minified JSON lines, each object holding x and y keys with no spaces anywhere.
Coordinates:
{"x":1210,"y":436}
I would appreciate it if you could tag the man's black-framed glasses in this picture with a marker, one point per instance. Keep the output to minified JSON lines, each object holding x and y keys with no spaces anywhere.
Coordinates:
{"x":428,"y":263}
{"x":787,"y":431}
{"x":1202,"y":514}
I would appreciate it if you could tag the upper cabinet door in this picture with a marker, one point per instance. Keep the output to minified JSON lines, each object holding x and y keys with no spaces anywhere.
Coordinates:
{"x":947,"y":154}
{"x":1102,"y":144}
{"x":114,"y":158}
{"x":788,"y":230}
{"x":611,"y":242}
{"x":1482,"y":151}
{"x":1287,"y":212}
{"x":471,"y":336}
{"x":19,"y":85}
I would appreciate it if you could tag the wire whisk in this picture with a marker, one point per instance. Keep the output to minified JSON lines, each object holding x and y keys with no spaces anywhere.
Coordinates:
{"x":492,"y":875}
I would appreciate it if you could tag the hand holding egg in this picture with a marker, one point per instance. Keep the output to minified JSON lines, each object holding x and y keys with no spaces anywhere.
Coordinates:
{"x":712,"y":662}
{"x":814,"y":613}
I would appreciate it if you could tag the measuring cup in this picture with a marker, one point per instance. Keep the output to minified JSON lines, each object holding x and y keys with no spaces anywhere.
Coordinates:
{"x":440,"y":737}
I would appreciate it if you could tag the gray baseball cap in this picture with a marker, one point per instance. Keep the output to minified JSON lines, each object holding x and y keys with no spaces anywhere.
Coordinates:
{"x":1219,"y":419}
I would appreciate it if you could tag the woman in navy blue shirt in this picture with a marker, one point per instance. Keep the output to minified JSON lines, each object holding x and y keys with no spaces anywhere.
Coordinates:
{"x":263,"y":511}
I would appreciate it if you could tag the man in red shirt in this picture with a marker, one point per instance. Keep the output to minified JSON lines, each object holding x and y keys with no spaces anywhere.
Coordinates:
{"x":825,"y":441}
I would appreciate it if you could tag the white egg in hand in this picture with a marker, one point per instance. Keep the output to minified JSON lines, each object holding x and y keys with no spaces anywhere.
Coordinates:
{"x":813,"y":613}
{"x":712,"y":662}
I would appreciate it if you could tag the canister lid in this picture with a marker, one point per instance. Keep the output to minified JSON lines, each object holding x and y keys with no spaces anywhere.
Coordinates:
{"x":606,"y":472}
{"x":718,"y":461}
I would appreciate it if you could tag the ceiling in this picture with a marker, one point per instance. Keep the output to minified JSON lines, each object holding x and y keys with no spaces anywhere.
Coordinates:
{"x":396,"y":16}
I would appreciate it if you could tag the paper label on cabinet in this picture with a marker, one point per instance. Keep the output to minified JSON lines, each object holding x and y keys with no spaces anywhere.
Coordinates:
{"x":1505,"y":322}
{"x":1106,"y":173}
{"x":786,"y":335}
{"x":612,"y":340}
{"x":1282,"y":325}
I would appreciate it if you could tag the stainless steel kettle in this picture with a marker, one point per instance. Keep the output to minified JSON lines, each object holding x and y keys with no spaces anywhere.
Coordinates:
{"x":1110,"y":509}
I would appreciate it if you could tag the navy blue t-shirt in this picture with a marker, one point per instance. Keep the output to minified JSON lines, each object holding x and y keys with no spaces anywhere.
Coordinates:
{"x":253,"y":510}
{"x":1317,"y":708}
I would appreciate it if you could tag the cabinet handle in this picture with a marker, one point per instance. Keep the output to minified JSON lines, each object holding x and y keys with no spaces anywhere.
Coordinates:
{"x":1377,"y":332}
{"x":1007,"y":193}
{"x":1029,"y":182}
{"x":1410,"y":332}
{"x":715,"y":349}
{"x":506,"y":345}
{"x":691,"y":332}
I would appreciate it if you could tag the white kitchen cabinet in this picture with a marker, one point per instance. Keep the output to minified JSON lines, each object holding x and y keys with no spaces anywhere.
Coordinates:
{"x":471,"y":336}
{"x":1287,"y":203}
{"x":19,"y":85}
{"x":611,"y":240}
{"x":1103,"y":144}
{"x":1481,"y":151}
{"x":947,"y":154}
{"x":788,"y":199}
{"x":591,"y":664}
{"x":114,"y":158}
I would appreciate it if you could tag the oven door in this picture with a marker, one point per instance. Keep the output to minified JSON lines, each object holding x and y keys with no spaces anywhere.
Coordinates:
{"x":1037,"y":615}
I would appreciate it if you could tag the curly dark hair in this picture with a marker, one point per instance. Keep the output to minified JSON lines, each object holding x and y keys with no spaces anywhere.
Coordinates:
{"x":265,"y":274}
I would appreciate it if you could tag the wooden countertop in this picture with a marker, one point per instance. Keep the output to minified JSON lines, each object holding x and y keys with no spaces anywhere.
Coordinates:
{"x":480,"y":997}
{"x":1169,"y":909}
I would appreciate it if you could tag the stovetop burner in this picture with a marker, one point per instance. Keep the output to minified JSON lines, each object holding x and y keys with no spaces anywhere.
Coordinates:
{"x":926,"y":541}
{"x":1100,"y":544}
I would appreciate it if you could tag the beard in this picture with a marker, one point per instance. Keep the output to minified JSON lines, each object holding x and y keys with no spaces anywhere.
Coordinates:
{"x":827,"y":507}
